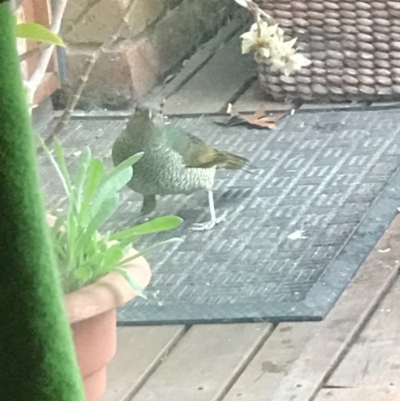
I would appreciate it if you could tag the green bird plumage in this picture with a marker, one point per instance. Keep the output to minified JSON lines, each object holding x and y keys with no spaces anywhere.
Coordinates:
{"x":174,"y":161}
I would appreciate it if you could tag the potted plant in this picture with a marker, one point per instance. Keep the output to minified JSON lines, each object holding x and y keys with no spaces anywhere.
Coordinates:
{"x":98,"y":273}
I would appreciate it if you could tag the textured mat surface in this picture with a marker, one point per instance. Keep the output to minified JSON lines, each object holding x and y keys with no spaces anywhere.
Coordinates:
{"x":325,"y":188}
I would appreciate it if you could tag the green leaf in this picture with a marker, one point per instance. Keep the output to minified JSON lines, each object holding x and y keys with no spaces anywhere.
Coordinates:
{"x":83,"y":273}
{"x":93,"y":262}
{"x":58,"y":236}
{"x":95,"y":174}
{"x":132,"y":281}
{"x":104,"y":212}
{"x":112,"y":183}
{"x":128,"y":240}
{"x":111,"y":258}
{"x":157,"y":225}
{"x":110,"y":188}
{"x":122,"y":166}
{"x":83,"y":165}
{"x":37,"y":32}
{"x":72,"y":233}
{"x":61,"y":165}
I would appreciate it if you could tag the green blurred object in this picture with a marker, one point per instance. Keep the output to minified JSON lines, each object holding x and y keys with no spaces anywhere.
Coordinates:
{"x":38,"y":33}
{"x":37,"y":358}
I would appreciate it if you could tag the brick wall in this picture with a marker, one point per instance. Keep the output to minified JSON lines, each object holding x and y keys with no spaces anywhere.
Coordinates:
{"x":159,"y":36}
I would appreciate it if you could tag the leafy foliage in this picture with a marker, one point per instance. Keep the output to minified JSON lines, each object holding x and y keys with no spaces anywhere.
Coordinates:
{"x":37,"y":32}
{"x":83,"y":255}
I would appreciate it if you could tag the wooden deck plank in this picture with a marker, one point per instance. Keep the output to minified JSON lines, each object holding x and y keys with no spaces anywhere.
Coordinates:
{"x":205,"y":362}
{"x":140,"y":351}
{"x":373,"y":360}
{"x":272,"y":363}
{"x":210,"y":90}
{"x":340,"y":328}
{"x":254,"y":96}
{"x":357,"y":394}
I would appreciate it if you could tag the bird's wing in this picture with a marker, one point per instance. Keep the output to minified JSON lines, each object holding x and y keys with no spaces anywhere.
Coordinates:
{"x":195,"y":152}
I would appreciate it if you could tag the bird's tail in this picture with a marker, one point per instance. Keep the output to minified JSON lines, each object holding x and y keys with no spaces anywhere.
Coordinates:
{"x":233,"y":161}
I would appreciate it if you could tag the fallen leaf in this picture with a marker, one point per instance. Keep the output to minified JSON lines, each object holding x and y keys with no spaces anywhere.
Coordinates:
{"x":259,"y":113}
{"x":258,"y":119}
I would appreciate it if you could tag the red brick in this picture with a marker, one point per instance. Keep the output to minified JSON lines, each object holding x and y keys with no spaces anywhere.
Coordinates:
{"x":143,"y":64}
{"x":143,"y":14}
{"x":109,"y":80}
{"x":98,"y":23}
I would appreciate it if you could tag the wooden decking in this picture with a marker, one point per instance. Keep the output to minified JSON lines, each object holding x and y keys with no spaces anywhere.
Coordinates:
{"x":350,"y":356}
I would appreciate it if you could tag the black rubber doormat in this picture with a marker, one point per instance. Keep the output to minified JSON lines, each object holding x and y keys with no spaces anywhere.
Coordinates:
{"x":325,"y":187}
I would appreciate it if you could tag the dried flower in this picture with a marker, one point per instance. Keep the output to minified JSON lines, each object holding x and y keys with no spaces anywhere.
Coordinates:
{"x":242,"y":3}
{"x":266,"y":39}
{"x":261,"y":39}
{"x":286,"y":59}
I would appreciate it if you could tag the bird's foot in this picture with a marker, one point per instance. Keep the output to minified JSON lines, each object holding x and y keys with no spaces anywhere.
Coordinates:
{"x":208,"y":225}
{"x":203,"y":226}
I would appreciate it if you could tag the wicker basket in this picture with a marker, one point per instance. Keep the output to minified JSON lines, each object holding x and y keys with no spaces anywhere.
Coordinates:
{"x":354,"y":47}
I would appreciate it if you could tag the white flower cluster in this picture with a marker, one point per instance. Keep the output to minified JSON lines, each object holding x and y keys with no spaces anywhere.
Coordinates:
{"x":267,"y":42}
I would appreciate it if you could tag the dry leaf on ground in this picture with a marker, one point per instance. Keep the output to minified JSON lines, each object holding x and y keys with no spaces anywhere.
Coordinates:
{"x":258,"y":119}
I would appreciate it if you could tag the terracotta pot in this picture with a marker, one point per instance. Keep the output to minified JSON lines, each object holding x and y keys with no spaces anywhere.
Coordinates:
{"x":92,"y":315}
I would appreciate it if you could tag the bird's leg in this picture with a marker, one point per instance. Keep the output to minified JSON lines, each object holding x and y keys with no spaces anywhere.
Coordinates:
{"x":149,"y":204}
{"x":213,"y":221}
